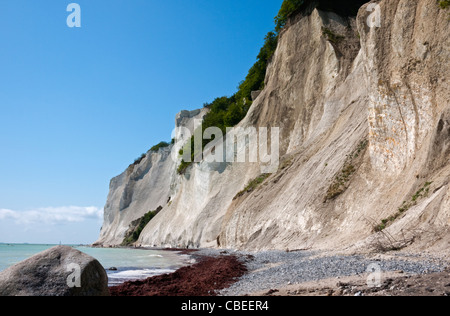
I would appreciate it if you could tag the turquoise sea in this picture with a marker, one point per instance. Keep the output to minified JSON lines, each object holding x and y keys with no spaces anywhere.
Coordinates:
{"x":131,"y":264}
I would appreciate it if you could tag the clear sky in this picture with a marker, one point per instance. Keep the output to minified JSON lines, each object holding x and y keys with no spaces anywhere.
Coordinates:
{"x":78,"y":105}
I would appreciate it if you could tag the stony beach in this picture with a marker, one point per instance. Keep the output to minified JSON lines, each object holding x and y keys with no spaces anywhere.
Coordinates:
{"x":235,"y":273}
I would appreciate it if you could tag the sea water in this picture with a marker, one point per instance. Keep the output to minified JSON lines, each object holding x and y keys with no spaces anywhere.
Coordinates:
{"x":131,"y":264}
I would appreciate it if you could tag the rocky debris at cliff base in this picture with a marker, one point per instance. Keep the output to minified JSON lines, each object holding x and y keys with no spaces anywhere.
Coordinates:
{"x":276,"y":270}
{"x":204,"y":278}
{"x":298,"y":273}
{"x":59,"y":271}
{"x":395,"y":284}
{"x":433,"y":284}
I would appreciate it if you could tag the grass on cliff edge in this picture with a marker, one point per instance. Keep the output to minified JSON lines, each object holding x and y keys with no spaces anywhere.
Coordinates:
{"x":331,"y":36}
{"x":133,"y":235}
{"x":155,"y":149}
{"x":252,"y":185}
{"x":342,"y":179}
{"x":385,"y":223}
{"x":444,"y":4}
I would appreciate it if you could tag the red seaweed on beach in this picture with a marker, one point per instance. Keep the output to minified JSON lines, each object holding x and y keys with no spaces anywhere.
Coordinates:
{"x":201,"y":279}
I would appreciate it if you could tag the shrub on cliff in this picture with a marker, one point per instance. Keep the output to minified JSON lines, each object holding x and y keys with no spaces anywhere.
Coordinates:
{"x":444,"y":4}
{"x":134,"y":232}
{"x":288,"y":8}
{"x":138,"y":160}
{"x":157,"y":147}
{"x":257,"y":74}
{"x":234,"y":115}
{"x":252,"y":185}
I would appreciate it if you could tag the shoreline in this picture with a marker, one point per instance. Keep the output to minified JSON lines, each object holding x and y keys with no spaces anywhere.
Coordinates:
{"x":121,"y":275}
{"x":232,"y":273}
{"x":301,"y":273}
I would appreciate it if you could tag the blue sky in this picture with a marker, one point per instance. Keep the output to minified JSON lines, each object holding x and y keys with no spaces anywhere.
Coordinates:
{"x":78,"y":105}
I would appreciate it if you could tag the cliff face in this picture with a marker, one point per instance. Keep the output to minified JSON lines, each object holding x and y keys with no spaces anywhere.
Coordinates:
{"x":364,"y":116}
{"x":407,"y":63}
{"x":143,"y":187}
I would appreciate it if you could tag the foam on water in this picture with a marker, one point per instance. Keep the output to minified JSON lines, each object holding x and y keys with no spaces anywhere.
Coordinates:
{"x":119,"y":277}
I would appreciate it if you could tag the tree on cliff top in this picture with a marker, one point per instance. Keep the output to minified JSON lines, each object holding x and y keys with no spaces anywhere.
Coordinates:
{"x":229,"y":111}
{"x":288,"y":8}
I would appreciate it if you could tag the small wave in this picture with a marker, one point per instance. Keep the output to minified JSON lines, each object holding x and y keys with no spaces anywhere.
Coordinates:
{"x":116,"y":278}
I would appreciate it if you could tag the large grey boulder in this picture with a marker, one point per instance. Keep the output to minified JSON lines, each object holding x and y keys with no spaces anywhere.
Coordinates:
{"x":59,"y":271}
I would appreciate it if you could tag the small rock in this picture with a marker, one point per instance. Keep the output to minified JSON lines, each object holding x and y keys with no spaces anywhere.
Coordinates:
{"x":112,"y":269}
{"x":270,"y":292}
{"x":358,"y":294}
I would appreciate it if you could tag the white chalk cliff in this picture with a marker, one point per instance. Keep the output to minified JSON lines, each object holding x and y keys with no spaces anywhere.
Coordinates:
{"x":364,"y":137}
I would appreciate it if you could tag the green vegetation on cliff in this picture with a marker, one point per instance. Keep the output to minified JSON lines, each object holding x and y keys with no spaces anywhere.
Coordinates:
{"x":342,"y":179}
{"x":423,"y":192}
{"x":288,"y":8}
{"x":136,"y":227}
{"x":291,"y":8}
{"x":252,"y":185}
{"x":229,"y":111}
{"x":157,"y":147}
{"x":444,"y":4}
{"x":138,"y":160}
